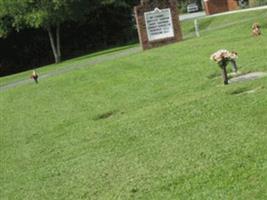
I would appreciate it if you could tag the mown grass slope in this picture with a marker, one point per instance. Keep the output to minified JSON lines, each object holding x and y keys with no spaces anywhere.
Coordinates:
{"x":155,"y":125}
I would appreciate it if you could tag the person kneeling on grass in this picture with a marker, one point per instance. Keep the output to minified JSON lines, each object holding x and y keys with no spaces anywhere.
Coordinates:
{"x":34,"y":76}
{"x":222,"y":58}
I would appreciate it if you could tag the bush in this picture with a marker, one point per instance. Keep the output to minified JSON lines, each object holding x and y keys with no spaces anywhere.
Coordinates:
{"x":182,"y":6}
{"x":258,"y":3}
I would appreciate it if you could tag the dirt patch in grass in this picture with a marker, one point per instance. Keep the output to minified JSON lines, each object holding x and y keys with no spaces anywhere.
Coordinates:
{"x":239,"y":91}
{"x":104,"y":115}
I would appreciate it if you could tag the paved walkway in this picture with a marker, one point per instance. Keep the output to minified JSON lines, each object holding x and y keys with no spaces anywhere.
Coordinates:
{"x":202,"y":14}
{"x":192,"y":15}
{"x":90,"y":63}
{"x":238,"y":11}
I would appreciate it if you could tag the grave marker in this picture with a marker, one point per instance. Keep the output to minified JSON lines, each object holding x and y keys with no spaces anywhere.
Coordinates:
{"x":157,"y":23}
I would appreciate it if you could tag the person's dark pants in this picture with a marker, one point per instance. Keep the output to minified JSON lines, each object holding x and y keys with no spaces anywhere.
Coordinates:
{"x":223,"y":65}
{"x":35,"y":78}
{"x":224,"y":75}
{"x":234,"y":65}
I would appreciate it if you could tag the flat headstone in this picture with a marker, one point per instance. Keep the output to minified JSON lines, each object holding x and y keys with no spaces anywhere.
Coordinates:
{"x":248,"y":77}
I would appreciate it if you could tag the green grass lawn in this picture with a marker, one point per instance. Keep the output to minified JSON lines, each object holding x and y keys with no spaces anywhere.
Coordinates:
{"x":158,"y":124}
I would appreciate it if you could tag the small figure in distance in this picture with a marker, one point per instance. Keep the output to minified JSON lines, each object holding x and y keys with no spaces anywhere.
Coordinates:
{"x":34,"y":76}
{"x":256,"y":29}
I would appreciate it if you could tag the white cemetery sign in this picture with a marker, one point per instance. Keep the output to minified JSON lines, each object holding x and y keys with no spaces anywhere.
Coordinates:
{"x":159,"y":24}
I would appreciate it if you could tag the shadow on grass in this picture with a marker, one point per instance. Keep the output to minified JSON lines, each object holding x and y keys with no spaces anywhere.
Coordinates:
{"x":239,"y":91}
{"x":104,"y":115}
{"x":214,"y":75}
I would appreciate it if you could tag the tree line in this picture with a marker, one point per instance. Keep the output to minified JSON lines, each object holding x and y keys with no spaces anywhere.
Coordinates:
{"x":34,"y":33}
{"x":37,"y":32}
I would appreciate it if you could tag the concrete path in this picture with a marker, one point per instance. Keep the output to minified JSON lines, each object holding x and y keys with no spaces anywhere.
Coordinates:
{"x":238,"y":11}
{"x":192,"y":15}
{"x":90,"y":63}
{"x":202,"y":14}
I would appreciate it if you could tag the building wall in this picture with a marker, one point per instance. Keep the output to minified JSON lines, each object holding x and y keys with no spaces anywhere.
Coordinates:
{"x":218,"y":6}
{"x":232,"y":5}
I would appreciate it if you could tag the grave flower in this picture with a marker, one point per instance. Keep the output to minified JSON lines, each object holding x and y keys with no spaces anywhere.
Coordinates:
{"x":34,"y":76}
{"x":222,"y":57}
{"x":256,"y":29}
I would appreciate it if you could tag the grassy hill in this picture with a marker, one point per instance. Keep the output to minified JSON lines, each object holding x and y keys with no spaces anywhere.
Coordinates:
{"x":157,"y":124}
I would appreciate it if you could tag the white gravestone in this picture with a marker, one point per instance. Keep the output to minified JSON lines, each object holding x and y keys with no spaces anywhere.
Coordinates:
{"x":159,"y":24}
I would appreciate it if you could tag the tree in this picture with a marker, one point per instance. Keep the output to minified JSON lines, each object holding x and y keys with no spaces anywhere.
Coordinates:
{"x":5,"y":21}
{"x":49,"y":15}
{"x":5,"y":25}
{"x":45,"y":14}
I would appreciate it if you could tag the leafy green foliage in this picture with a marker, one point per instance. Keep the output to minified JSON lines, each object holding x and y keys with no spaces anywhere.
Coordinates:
{"x":44,"y":13}
{"x":5,"y":25}
{"x":34,"y":13}
{"x":50,"y":15}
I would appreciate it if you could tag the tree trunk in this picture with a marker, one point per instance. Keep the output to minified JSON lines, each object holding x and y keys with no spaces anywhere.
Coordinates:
{"x":53,"y":45}
{"x":58,"y":42}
